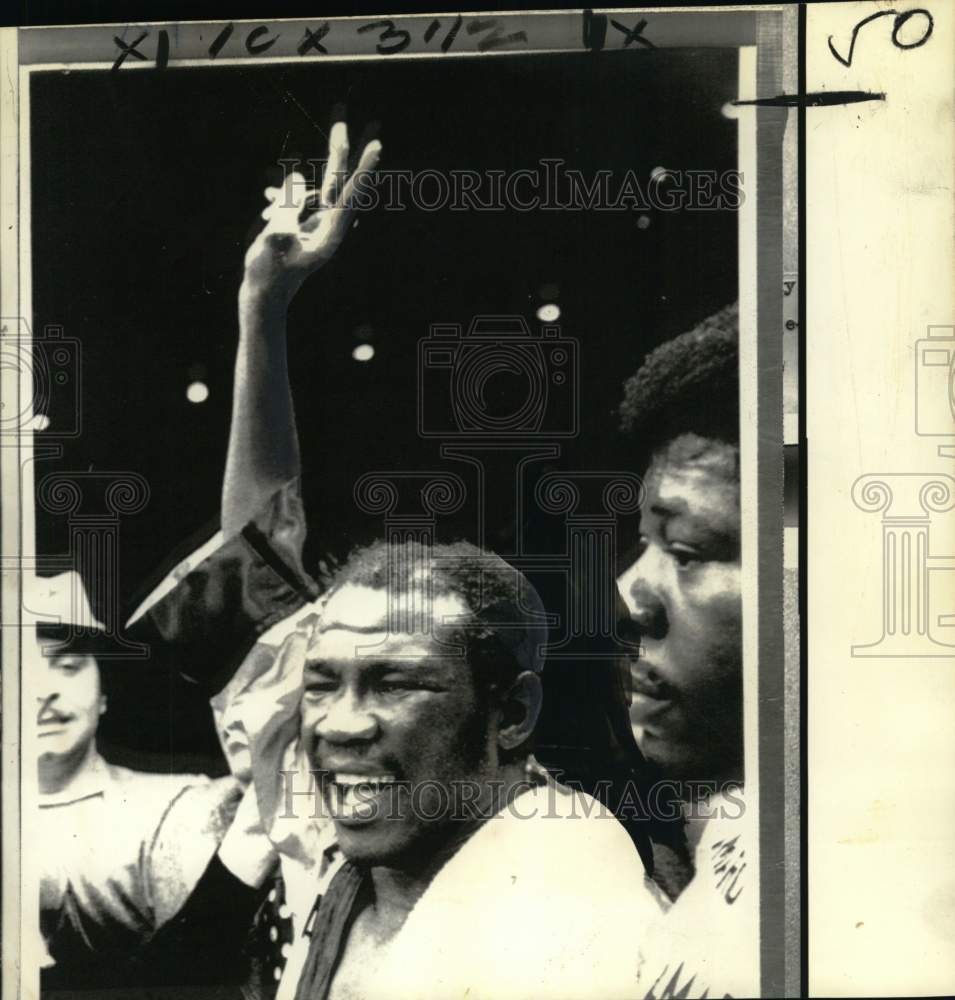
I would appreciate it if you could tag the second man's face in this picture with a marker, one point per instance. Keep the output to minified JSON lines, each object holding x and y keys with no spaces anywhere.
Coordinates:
{"x":69,"y":702}
{"x":683,"y":594}
{"x":392,"y":722}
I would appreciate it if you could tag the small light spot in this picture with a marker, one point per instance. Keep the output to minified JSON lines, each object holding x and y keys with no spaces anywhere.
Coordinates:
{"x":659,"y":174}
{"x":729,"y":110}
{"x":197,"y":392}
{"x":643,"y":222}
{"x":549,"y":313}
{"x":40,"y":422}
{"x":273,"y":934}
{"x":363,"y":352}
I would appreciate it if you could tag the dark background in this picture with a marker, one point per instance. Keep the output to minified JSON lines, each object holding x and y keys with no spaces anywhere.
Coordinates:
{"x":147,"y":188}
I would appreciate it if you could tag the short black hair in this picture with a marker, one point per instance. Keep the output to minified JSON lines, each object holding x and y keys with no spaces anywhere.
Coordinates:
{"x":505,"y":634}
{"x":689,"y":384}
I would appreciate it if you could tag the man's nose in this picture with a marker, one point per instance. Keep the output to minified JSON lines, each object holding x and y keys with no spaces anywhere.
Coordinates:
{"x":639,"y":587}
{"x":347,"y":720}
{"x":47,"y":687}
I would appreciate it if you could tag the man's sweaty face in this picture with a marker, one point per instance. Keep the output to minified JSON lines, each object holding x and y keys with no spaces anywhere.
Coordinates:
{"x":390,"y":720}
{"x":683,"y":594}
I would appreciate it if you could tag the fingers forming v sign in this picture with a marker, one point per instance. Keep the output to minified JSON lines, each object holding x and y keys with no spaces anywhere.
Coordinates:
{"x":299,"y":238}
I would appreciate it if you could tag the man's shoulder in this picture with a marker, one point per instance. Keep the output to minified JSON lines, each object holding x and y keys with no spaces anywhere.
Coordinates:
{"x":155,"y":796}
{"x":155,"y":785}
{"x":567,"y":845}
{"x":571,"y":816}
{"x":553,"y":875}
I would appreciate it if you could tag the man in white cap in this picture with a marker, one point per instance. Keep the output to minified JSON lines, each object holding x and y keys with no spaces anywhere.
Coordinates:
{"x":120,"y":851}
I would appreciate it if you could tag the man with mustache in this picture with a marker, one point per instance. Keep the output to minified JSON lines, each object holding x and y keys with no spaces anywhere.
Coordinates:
{"x":682,"y":590}
{"x":142,"y":869}
{"x":120,"y":851}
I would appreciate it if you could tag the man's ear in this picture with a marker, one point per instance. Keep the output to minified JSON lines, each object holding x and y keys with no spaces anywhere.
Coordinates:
{"x":520,"y":707}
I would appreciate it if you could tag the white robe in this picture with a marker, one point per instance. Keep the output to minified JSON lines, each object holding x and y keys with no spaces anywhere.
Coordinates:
{"x":707,"y":944}
{"x":543,"y":901}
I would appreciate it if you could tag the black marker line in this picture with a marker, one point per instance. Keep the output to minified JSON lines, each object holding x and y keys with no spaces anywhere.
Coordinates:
{"x":819,"y":99}
{"x":594,"y":30}
{"x":452,"y":34}
{"x":162,"y":49}
{"x":216,"y":47}
{"x":128,"y":50}
{"x":313,"y":40}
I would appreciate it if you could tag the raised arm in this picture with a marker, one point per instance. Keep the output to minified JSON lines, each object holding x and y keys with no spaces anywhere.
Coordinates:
{"x":304,"y":228}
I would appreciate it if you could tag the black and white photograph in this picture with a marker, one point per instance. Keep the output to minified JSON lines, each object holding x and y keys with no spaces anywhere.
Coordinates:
{"x":402,"y":422}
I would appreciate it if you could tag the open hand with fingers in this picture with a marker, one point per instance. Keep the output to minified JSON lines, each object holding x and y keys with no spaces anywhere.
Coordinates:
{"x":304,"y":225}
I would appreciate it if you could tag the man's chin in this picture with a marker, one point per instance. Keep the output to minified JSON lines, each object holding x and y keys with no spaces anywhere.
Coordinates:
{"x":392,"y":843}
{"x":686,"y":761}
{"x":53,"y":746}
{"x":372,"y":846}
{"x":671,"y":756}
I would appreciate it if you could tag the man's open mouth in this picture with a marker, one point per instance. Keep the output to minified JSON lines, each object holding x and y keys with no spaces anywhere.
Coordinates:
{"x":355,"y":796}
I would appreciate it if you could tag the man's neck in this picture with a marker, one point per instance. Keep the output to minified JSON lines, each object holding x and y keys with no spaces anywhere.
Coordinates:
{"x":397,"y":890}
{"x":60,"y":773}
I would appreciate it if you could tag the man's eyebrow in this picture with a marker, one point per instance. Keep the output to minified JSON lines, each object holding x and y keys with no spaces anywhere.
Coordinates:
{"x":670,"y":508}
{"x":345,"y":627}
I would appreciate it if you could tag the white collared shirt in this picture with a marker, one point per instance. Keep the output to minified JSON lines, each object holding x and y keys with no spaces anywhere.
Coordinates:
{"x":122,"y":849}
